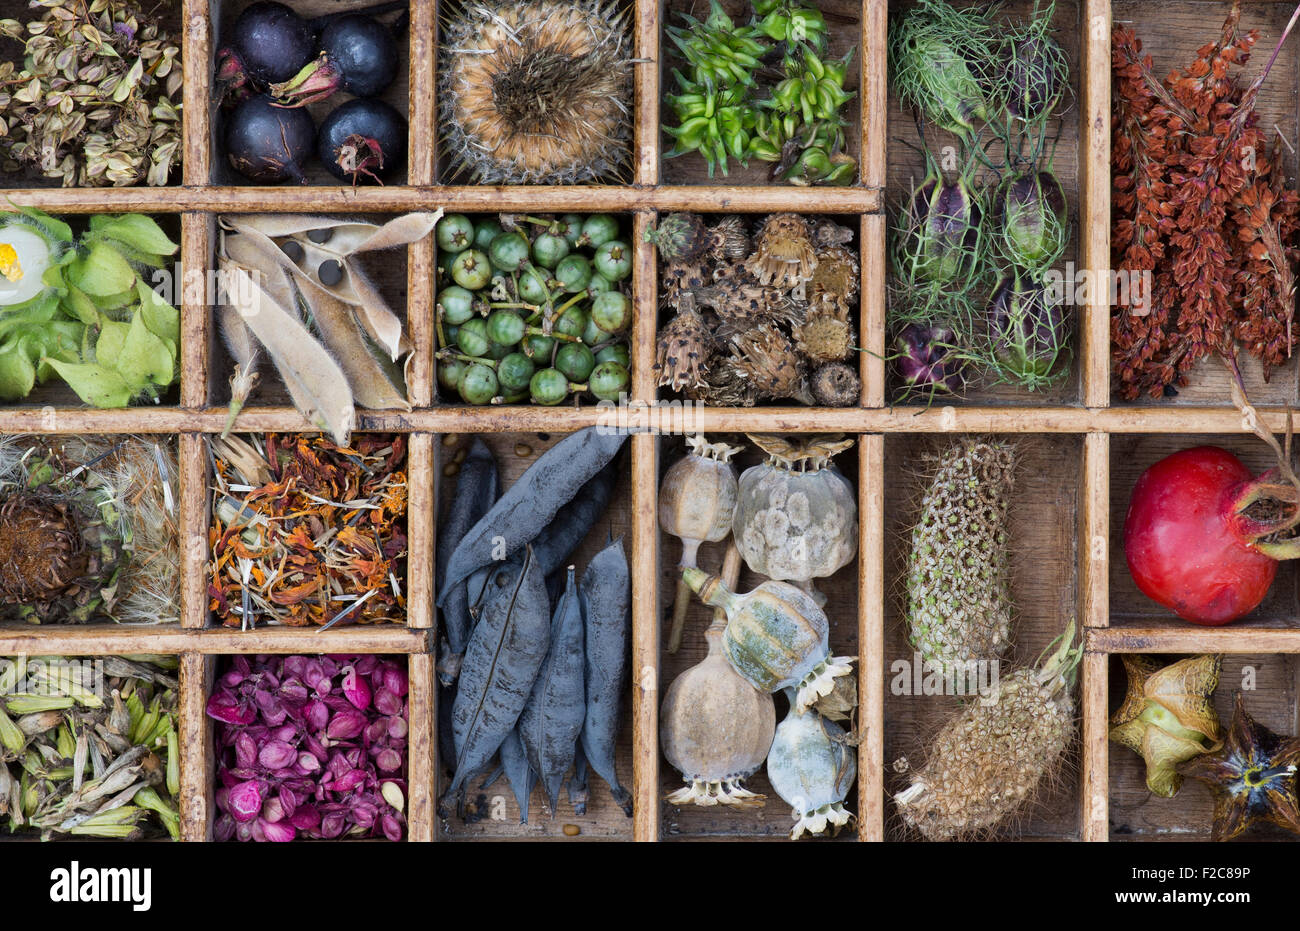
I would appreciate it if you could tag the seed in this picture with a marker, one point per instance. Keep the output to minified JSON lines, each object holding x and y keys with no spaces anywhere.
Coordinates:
{"x":460,"y":454}
{"x":331,"y":273}
{"x":320,"y":236}
{"x":450,"y":439}
{"x":572,"y":830}
{"x":450,"y":469}
{"x":523,"y":450}
{"x":293,"y":250}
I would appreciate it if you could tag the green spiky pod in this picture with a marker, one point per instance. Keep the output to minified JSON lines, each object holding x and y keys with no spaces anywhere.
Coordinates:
{"x":991,"y":759}
{"x":958,"y":579}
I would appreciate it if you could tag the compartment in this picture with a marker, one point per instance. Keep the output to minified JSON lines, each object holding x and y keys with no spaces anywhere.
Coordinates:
{"x":98,"y":533}
{"x":386,"y":269}
{"x":773,"y":820}
{"x":55,"y":394}
{"x":493,"y":813}
{"x":299,"y":735}
{"x":614,"y":161}
{"x":1171,"y":35}
{"x":1044,"y":592}
{"x":740,"y":314}
{"x":302,"y":525}
{"x":844,"y":32}
{"x":906,"y":166}
{"x":168,"y":17}
{"x":1130,"y":456}
{"x":1138,"y":815}
{"x":103,"y":702}
{"x":224,"y":15}
{"x":450,"y":359}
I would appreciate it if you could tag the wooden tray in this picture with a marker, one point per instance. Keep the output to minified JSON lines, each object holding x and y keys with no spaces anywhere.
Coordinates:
{"x":1068,"y":521}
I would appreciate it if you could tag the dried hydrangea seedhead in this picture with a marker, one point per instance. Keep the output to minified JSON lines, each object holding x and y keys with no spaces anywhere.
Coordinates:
{"x":1167,"y":715}
{"x":98,"y":98}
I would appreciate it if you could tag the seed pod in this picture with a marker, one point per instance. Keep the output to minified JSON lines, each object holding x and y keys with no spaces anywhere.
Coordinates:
{"x":1027,"y":326}
{"x":696,"y":501}
{"x":938,"y":237}
{"x":958,"y":579}
{"x":1168,"y":716}
{"x":812,"y":767}
{"x":990,"y":759}
{"x":1037,"y":74}
{"x":715,"y":729}
{"x":776,"y":637}
{"x":936,"y":53}
{"x":680,"y":237}
{"x":926,"y":361}
{"x":1031,"y":219}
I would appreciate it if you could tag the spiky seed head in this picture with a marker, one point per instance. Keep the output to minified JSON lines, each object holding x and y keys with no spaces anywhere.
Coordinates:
{"x":536,"y":92}
{"x":680,"y":237}
{"x":836,"y":275}
{"x":783,"y":251}
{"x":683,"y":351}
{"x":42,"y":553}
{"x":826,"y":334}
{"x":766,"y":358}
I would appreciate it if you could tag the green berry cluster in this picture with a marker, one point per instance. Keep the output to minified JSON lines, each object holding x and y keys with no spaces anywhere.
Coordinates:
{"x":533,"y":308}
{"x":762,"y":90}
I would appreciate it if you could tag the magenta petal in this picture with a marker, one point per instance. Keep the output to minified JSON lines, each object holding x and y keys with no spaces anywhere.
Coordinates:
{"x":223,"y":706}
{"x":395,"y":679}
{"x":277,"y":832}
{"x":392,"y":827}
{"x":387,"y":702}
{"x":345,"y":725}
{"x":305,"y":818}
{"x":245,"y":751}
{"x":223,"y":829}
{"x":349,"y":781}
{"x":273,"y":811}
{"x":356,"y":689}
{"x":277,"y":754}
{"x":317,"y":715}
{"x":308,"y":764}
{"x":246,"y":801}
{"x":389,"y":760}
{"x":397,"y":726}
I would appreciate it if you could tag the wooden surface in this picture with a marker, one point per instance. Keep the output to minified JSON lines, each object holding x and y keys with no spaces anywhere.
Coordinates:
{"x":1084,"y":451}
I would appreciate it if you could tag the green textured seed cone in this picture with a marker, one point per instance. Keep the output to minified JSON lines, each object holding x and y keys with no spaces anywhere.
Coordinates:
{"x":958,"y":579}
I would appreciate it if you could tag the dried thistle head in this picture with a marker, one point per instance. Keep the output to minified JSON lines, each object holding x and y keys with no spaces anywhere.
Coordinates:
{"x":836,"y":275}
{"x":683,"y":351}
{"x":729,"y":240}
{"x":534,"y":92}
{"x":765,"y":358}
{"x":783,"y":251}
{"x":826,"y":334}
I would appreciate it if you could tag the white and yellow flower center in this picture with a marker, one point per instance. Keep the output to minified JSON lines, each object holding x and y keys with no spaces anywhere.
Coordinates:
{"x":24,"y":257}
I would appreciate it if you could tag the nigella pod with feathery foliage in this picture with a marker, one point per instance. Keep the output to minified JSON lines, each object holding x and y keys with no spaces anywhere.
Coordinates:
{"x":938,"y":55}
{"x":1032,"y":220}
{"x":696,"y":500}
{"x":536,"y":92}
{"x":812,"y":766}
{"x":776,"y":637}
{"x":938,"y":236}
{"x":1036,"y":72}
{"x":927,"y":360}
{"x":1168,"y":715}
{"x":796,"y":515}
{"x":1028,"y":339}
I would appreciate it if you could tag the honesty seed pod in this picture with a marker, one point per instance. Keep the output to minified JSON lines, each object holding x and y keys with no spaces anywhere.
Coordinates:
{"x":938,"y":236}
{"x":812,"y":767}
{"x":1027,"y":327}
{"x":776,"y":637}
{"x":1168,"y":716}
{"x":696,"y":501}
{"x":1032,"y":220}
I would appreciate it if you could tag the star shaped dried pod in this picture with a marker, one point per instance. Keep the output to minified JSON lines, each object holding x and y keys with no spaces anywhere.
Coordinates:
{"x":1167,"y":716}
{"x":1252,"y":777}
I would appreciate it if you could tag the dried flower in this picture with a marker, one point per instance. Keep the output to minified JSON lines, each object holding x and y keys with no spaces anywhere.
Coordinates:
{"x":97,"y":99}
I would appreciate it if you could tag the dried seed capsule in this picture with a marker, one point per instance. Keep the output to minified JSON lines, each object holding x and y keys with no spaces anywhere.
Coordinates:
{"x":1028,"y":328}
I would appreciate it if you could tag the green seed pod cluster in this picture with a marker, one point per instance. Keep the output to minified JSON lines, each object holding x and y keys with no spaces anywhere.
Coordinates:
{"x":533,"y":308}
{"x":725,"y":110}
{"x":974,"y":245}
